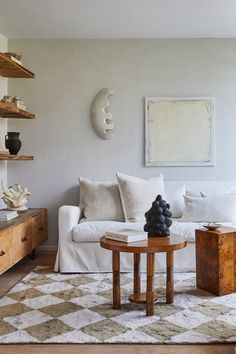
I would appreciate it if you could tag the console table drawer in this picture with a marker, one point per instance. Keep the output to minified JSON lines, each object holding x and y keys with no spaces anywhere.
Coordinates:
{"x":39,"y":229}
{"x":5,"y":250}
{"x":22,"y":240}
{"x":20,"y":236}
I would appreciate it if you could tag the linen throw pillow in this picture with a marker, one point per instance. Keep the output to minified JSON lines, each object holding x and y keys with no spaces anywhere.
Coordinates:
{"x":137,"y":195}
{"x":175,"y":197}
{"x":100,"y":201}
{"x":213,"y":208}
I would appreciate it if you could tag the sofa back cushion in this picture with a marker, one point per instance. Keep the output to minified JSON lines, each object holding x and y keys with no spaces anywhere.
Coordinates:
{"x":100,"y":200}
{"x":137,"y":195}
{"x":175,"y":197}
{"x":213,"y":208}
{"x":207,"y":187}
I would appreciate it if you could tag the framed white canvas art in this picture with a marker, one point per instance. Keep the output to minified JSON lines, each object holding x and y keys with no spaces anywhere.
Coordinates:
{"x":179,"y":131}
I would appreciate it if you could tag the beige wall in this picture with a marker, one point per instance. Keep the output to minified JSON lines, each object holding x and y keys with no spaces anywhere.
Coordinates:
{"x":3,"y":122}
{"x":69,"y":73}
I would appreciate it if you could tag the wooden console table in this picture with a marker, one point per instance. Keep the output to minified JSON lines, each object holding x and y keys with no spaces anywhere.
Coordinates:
{"x":21,"y":236}
{"x":150,"y":247}
{"x":216,"y":260}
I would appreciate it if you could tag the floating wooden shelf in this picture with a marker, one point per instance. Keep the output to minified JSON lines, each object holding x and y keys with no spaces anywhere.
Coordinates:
{"x":7,"y":110}
{"x":9,"y":68}
{"x":16,"y":157}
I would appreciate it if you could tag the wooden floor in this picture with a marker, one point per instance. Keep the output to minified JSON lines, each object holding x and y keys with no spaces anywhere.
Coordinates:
{"x":13,"y":275}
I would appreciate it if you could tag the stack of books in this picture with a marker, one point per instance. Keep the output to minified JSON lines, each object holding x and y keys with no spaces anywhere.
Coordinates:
{"x":18,"y":102}
{"x":17,"y":61}
{"x":14,"y":101}
{"x":6,"y":215}
{"x":126,"y":235}
{"x":4,"y":152}
{"x":14,"y":57}
{"x":19,"y":105}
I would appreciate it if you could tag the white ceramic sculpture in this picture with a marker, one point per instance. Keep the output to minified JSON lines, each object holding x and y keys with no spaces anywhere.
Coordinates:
{"x":101,"y":118}
{"x":15,"y":198}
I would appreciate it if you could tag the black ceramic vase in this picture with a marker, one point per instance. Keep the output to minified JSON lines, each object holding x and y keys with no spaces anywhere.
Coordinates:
{"x":12,"y":142}
{"x":158,"y":218}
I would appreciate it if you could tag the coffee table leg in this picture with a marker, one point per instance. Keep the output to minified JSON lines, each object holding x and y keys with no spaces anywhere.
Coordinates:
{"x":169,"y":277}
{"x":150,"y":277}
{"x":116,"y":279}
{"x":136,"y":273}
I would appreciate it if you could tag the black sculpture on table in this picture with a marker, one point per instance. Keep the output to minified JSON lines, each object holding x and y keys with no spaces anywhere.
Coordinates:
{"x":158,"y":218}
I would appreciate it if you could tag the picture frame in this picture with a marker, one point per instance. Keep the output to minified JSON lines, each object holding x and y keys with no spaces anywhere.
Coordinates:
{"x":179,"y":131}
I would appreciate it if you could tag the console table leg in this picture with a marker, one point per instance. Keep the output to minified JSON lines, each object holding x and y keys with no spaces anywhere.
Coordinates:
{"x":136,"y":273}
{"x":33,"y":254}
{"x":169,"y":277}
{"x":150,"y":277}
{"x":116,"y":279}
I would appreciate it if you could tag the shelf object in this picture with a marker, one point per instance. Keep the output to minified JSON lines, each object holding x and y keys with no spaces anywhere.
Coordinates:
{"x":7,"y":110}
{"x":16,"y":157}
{"x":9,"y":68}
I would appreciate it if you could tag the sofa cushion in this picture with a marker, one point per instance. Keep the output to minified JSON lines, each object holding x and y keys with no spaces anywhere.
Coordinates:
{"x":100,"y":201}
{"x":214,"y":208}
{"x":137,"y":195}
{"x":92,"y":231}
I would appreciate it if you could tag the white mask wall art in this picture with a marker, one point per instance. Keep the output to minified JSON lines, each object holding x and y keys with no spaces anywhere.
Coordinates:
{"x":100,"y":116}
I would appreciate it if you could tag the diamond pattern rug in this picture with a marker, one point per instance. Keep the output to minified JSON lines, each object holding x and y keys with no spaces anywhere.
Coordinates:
{"x":47,"y":307}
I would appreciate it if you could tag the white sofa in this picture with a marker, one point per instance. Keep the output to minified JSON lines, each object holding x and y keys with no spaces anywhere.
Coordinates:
{"x":79,"y":247}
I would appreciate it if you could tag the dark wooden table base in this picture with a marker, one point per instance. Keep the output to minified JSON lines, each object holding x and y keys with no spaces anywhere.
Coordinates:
{"x":116,"y":279}
{"x":149,"y":247}
{"x":169,"y":277}
{"x":140,"y":298}
{"x":137,"y":296}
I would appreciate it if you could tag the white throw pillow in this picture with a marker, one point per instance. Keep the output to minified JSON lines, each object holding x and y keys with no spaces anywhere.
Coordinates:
{"x":193,"y":193}
{"x":214,"y":208}
{"x":137,"y":195}
{"x":100,"y":201}
{"x":175,"y":197}
{"x":207,"y":192}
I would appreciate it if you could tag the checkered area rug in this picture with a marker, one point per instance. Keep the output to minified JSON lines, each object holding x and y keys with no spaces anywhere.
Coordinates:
{"x":47,"y":307}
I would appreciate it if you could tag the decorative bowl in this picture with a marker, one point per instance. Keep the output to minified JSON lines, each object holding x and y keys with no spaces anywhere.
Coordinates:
{"x":212,"y":226}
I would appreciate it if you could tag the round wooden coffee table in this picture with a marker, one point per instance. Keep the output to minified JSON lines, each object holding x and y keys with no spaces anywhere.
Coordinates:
{"x":150,"y":247}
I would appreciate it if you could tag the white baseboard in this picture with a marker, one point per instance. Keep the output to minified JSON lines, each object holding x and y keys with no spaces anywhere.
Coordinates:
{"x":47,"y":248}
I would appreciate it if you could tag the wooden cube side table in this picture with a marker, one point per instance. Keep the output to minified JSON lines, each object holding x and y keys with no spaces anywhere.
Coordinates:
{"x":216,"y":260}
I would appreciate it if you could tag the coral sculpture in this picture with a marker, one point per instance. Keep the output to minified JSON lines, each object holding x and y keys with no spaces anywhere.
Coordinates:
{"x":15,"y":198}
{"x":158,"y":218}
